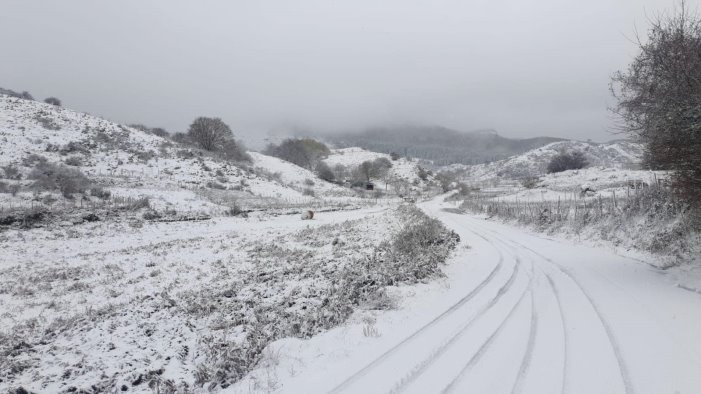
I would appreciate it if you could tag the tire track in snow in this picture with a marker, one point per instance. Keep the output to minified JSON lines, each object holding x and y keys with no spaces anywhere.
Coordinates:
{"x":420,"y":368}
{"x":625,"y":376}
{"x":533,"y":324}
{"x":564,"y":332}
{"x":528,"y":355}
{"x":369,"y":367}
{"x":485,"y":345}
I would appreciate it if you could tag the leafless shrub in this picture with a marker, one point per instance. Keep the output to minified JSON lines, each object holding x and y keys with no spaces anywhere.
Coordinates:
{"x":567,"y":161}
{"x":185,"y":154}
{"x":370,"y":169}
{"x":48,"y":176}
{"x":235,"y":210}
{"x":323,"y":171}
{"x":53,"y":101}
{"x":74,"y":147}
{"x":47,"y":122}
{"x":11,"y":172}
{"x":411,"y":244}
{"x":305,"y":152}
{"x":33,"y":160}
{"x":141,"y":156}
{"x":151,"y":215}
{"x":75,"y":161}
{"x":530,"y":182}
{"x":308,"y":192}
{"x":139,"y":203}
{"x":215,"y":185}
{"x":100,"y":193}
{"x":159,"y":131}
{"x":234,"y":151}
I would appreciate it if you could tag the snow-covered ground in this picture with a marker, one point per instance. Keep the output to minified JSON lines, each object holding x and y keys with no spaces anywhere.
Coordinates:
{"x":517,"y":313}
{"x":119,"y":302}
{"x":107,"y":304}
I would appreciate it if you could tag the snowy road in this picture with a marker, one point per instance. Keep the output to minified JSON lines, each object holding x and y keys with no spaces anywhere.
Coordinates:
{"x":533,"y":315}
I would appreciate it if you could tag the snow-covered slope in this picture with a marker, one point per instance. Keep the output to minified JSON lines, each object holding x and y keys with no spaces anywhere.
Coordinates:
{"x":618,"y":154}
{"x":295,"y":176}
{"x":132,"y":162}
{"x":402,"y":168}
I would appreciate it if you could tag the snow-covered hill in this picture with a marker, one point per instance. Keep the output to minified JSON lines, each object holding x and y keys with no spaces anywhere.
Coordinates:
{"x":131,"y":163}
{"x":617,"y":154}
{"x":402,"y":169}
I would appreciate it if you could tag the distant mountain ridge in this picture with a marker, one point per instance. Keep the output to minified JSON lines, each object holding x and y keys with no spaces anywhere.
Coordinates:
{"x":441,"y":145}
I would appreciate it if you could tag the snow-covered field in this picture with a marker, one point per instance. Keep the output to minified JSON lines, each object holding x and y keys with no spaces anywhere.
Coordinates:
{"x":108,"y":304}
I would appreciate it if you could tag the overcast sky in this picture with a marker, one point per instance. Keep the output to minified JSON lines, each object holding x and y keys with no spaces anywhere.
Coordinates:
{"x":522,"y":67}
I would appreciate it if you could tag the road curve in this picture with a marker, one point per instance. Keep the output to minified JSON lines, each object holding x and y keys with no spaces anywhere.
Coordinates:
{"x":547,"y":317}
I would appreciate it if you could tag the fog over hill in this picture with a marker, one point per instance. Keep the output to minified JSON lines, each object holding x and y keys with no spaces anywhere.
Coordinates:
{"x":440,"y":144}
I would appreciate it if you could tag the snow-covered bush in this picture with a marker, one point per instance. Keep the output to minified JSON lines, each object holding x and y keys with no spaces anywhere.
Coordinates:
{"x":100,"y":193}
{"x":53,"y":101}
{"x":304,"y":293}
{"x":11,"y":172}
{"x":74,"y":161}
{"x":46,"y":122}
{"x":567,"y":161}
{"x":235,"y":210}
{"x":234,"y":151}
{"x":215,"y":185}
{"x":418,"y":249}
{"x":48,"y":176}
{"x":529,"y":182}
{"x":324,"y":172}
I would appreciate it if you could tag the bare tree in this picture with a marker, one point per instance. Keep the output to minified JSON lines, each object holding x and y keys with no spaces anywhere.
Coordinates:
{"x":209,"y":133}
{"x":659,"y":98}
{"x":366,"y":170}
{"x":381,"y":167}
{"x":377,"y":168}
{"x":323,"y":171}
{"x":53,"y":101}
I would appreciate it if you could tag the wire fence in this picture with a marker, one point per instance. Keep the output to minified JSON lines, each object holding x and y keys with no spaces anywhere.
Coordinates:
{"x":579,"y":208}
